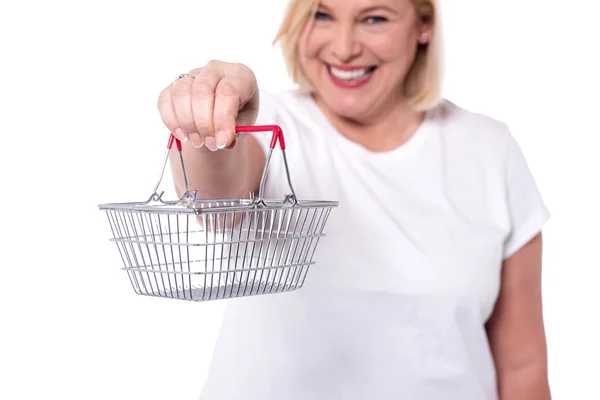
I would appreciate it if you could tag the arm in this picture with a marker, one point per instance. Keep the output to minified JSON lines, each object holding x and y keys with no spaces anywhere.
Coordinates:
{"x":516,"y":328}
{"x":220,"y":174}
{"x":198,"y":109}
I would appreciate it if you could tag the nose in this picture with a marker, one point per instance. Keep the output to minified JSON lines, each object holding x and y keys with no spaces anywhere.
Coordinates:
{"x":345,"y":47}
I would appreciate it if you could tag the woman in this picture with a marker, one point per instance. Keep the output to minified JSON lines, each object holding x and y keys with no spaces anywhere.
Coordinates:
{"x":428,"y":283}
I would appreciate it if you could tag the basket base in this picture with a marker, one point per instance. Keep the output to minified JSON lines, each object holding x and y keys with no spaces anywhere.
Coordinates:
{"x":222,"y":292}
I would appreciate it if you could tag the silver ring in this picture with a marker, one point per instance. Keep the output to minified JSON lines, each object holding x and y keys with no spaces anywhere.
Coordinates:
{"x":182,"y":76}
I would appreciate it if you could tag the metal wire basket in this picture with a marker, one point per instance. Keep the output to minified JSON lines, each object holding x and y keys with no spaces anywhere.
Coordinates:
{"x":201,"y":250}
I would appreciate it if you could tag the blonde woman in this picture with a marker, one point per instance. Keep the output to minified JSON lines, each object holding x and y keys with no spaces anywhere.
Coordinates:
{"x":428,"y":283}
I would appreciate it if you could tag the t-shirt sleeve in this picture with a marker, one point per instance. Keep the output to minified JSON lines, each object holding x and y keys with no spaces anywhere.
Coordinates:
{"x":526,"y":208}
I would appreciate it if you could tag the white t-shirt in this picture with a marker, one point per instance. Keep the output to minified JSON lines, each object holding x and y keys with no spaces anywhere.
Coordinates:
{"x":407,"y":275}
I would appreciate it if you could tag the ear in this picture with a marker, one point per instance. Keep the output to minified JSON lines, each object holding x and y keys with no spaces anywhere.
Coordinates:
{"x":425,"y":24}
{"x":424,"y":35}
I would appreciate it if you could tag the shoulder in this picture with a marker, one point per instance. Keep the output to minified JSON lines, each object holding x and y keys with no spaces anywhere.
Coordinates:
{"x":489,"y":167}
{"x":473,"y":134}
{"x":472,"y":127}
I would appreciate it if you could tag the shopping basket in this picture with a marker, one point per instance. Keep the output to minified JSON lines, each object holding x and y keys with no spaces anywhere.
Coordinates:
{"x":199,"y":250}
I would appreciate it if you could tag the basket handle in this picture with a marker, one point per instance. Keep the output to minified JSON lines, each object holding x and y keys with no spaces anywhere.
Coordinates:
{"x":277,"y":136}
{"x":277,"y":133}
{"x":155,"y":195}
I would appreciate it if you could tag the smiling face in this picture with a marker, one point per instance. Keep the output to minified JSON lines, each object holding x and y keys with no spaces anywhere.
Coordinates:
{"x":357,"y":54}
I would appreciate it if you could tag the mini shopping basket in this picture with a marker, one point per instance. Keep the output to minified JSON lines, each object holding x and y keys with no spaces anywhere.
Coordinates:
{"x":201,"y":250}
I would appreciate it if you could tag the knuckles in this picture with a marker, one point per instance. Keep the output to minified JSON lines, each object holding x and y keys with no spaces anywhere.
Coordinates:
{"x":228,"y":88}
{"x":214,"y":64}
{"x":242,"y":69}
{"x":181,"y":89}
{"x":235,"y":69}
{"x":202,"y":87}
{"x":216,"y":78}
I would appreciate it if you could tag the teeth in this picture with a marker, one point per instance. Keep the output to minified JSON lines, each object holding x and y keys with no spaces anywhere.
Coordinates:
{"x":349,"y":75}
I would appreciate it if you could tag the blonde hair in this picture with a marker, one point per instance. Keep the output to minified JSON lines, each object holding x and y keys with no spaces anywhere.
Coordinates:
{"x":424,"y":80}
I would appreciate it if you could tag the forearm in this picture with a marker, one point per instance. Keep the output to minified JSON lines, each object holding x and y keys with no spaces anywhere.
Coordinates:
{"x":216,"y":175}
{"x":527,"y":382}
{"x":516,"y":327}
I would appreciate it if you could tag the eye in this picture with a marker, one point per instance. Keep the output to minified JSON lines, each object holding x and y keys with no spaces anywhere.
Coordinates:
{"x":321,"y":16}
{"x":375,"y":20}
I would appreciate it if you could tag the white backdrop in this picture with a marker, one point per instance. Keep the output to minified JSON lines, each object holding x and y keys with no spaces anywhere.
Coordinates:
{"x":78,"y":88}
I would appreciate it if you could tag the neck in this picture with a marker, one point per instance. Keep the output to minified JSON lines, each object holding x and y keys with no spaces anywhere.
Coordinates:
{"x":389,"y":128}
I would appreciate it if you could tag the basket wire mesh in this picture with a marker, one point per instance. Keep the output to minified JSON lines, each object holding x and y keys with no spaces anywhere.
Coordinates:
{"x":201,"y":250}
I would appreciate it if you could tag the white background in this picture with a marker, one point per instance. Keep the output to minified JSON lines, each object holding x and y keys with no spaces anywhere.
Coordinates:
{"x":78,"y":88}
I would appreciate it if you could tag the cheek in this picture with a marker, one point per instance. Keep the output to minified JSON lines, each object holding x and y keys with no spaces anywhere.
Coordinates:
{"x":392,"y":46}
{"x":389,"y":50}
{"x":313,"y":45}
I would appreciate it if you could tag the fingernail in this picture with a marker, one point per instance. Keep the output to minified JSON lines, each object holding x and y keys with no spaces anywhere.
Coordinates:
{"x":231,"y":145}
{"x":221,"y":139}
{"x":210,"y":143}
{"x":196,"y":140}
{"x":179,"y":133}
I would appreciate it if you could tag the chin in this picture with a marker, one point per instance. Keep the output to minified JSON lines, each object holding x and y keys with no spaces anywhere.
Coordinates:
{"x":348,"y":107}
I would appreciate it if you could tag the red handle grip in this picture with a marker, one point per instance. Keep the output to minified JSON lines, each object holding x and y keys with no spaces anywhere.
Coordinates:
{"x":277,"y":133}
{"x":177,"y":141}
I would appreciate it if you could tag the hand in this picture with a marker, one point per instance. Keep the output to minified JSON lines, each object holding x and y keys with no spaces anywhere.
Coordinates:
{"x":206,"y":106}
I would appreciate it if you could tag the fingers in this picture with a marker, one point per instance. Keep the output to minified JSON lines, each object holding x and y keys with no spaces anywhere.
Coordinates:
{"x":232,"y":92}
{"x":226,"y":108}
{"x":167,"y":113}
{"x":174,"y":109}
{"x":205,"y":106}
{"x":203,"y":103}
{"x":181,"y":94}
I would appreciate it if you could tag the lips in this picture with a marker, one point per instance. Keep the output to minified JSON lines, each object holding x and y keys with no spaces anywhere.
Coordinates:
{"x":350,"y":77}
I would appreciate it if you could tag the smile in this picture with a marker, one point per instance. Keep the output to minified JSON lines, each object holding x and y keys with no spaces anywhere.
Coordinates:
{"x":350,"y":77}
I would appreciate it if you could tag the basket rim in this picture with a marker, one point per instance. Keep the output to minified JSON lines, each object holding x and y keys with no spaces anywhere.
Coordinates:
{"x":209,"y":206}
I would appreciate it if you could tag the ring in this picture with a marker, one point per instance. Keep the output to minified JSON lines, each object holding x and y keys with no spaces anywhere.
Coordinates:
{"x":182,"y":76}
